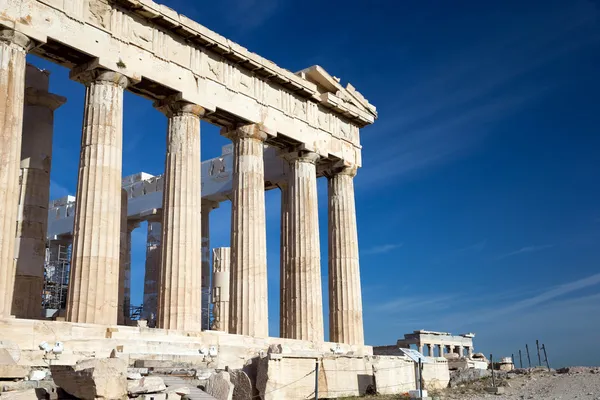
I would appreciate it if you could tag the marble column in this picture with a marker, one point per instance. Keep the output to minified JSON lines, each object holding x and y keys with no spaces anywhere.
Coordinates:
{"x":461,"y":351}
{"x":421,"y":349}
{"x":345,"y":298}
{"x":470,"y":351}
{"x":284,"y":267}
{"x":94,"y":279}
{"x":220,"y":290}
{"x":431,"y":350}
{"x":152,"y":271}
{"x":207,"y":207}
{"x":452,"y":349}
{"x":442,"y":350}
{"x":13,"y":49}
{"x":306,"y":298}
{"x":179,"y":297}
{"x":248,"y":307}
{"x":36,"y":158}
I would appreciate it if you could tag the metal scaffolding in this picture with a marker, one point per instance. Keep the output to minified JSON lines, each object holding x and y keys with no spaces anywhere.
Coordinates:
{"x":56,"y":275}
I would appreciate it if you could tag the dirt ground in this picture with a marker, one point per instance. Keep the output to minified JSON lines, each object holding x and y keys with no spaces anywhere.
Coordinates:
{"x":579,"y":383}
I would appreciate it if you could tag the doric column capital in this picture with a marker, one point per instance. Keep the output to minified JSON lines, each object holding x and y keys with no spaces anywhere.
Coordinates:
{"x":248,"y":131}
{"x":173,"y":105}
{"x":302,"y":156}
{"x":17,"y":38}
{"x":36,"y":97}
{"x":87,"y":75}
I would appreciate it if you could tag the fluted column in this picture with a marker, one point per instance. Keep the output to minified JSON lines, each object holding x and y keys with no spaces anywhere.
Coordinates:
{"x":306,"y":298}
{"x":345,"y":298}
{"x":284,"y":267}
{"x":179,"y":297}
{"x":442,"y":350}
{"x":94,"y":282}
{"x":36,"y":159}
{"x":421,"y":349}
{"x":207,"y":207}
{"x":248,"y":282}
{"x":13,"y":49}
{"x":152,"y":271}
{"x":220,"y":290}
{"x":431,"y":348}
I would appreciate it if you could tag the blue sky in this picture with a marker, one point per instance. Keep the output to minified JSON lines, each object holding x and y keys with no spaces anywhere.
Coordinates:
{"x":478,"y":203}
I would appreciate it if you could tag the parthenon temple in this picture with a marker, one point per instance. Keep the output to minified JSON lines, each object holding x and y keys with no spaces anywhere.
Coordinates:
{"x":309,"y":120}
{"x":286,"y":131}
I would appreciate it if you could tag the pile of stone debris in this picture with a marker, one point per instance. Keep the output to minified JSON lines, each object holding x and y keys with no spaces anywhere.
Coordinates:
{"x":111,"y":378}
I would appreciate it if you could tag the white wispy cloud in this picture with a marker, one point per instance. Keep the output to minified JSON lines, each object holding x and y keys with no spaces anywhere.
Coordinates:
{"x":525,"y":250}
{"x":385,"y":248}
{"x":420,"y":304}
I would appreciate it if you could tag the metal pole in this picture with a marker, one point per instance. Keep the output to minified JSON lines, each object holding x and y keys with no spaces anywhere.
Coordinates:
{"x":493,"y":374}
{"x":528,"y":358}
{"x":546,"y":356}
{"x":537,"y":344}
{"x":520,"y":359}
{"x":317,"y":379}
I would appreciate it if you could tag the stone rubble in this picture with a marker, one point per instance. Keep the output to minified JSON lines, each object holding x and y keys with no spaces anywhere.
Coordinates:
{"x":94,"y":378}
{"x":148,"y":384}
{"x":219,"y":386}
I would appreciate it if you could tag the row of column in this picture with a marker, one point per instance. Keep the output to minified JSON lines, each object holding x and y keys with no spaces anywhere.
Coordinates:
{"x":101,"y":235}
{"x":443,"y":349}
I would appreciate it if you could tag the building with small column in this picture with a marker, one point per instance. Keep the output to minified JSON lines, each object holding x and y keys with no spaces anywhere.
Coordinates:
{"x":445,"y":343}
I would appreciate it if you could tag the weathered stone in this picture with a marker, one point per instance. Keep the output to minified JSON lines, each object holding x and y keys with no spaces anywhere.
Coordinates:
{"x":36,"y":157}
{"x":37,"y":375}
{"x":148,"y":384}
{"x":13,"y":371}
{"x":136,"y":370}
{"x":219,"y":386}
{"x":29,"y":394}
{"x":179,"y":301}
{"x":345,"y":310}
{"x":94,"y":278}
{"x":305,"y":319}
{"x":13,"y":49}
{"x":248,"y":307}
{"x":153,"y":396}
{"x":134,"y":376}
{"x":91,"y":379}
{"x":242,"y":387}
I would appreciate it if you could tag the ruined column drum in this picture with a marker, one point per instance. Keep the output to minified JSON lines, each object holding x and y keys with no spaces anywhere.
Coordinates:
{"x":13,"y":48}
{"x":345,"y":299}
{"x":179,"y":297}
{"x":305,"y":298}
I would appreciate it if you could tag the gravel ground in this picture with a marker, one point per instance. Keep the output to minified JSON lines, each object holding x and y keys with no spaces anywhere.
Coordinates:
{"x":579,"y":383}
